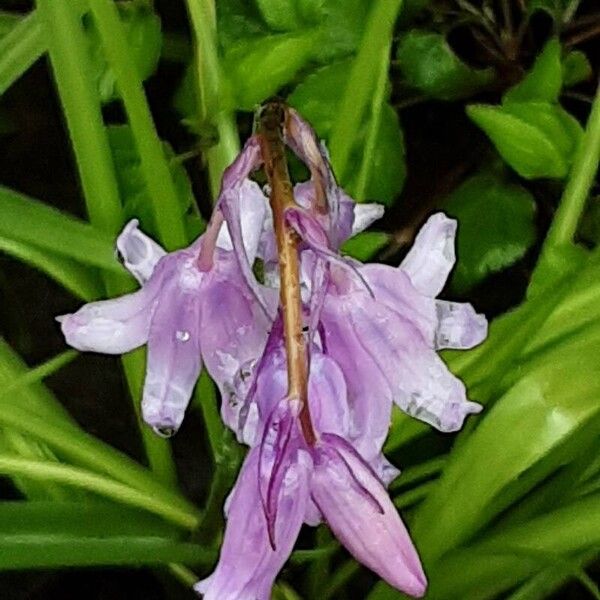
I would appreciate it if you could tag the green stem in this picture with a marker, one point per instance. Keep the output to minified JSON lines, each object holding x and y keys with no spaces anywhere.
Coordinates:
{"x":154,"y":165}
{"x":362,"y":81}
{"x":184,"y":575}
{"x":223,"y":153}
{"x":114,"y":490}
{"x":210,"y":91}
{"x":73,"y":73}
{"x":206,"y":398}
{"x":579,"y":183}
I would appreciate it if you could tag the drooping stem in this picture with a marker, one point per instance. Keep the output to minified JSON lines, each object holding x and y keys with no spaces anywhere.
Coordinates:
{"x":275,"y":164}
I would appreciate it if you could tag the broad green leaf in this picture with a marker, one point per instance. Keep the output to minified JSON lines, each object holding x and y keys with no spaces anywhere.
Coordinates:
{"x":529,"y":150}
{"x":82,"y":281}
{"x":238,"y":20}
{"x":143,"y":31}
{"x":575,"y":68}
{"x":257,"y":68}
{"x":342,"y":28}
{"x":556,"y":123}
{"x":544,"y":81}
{"x":387,"y":170}
{"x":289,"y":15}
{"x":496,"y":227}
{"x":132,"y":185}
{"x":34,"y":223}
{"x":366,"y":244}
{"x":316,"y":96}
{"x":429,"y":65}
{"x":529,"y":427}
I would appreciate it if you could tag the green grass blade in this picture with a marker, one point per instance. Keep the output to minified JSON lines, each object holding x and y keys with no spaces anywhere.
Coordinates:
{"x":111,"y":489}
{"x":42,"y":227}
{"x":19,"y":49}
{"x":82,"y":281}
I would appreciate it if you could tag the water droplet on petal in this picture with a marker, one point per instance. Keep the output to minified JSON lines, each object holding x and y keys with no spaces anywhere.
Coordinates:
{"x":164,"y":432}
{"x":182,"y":335}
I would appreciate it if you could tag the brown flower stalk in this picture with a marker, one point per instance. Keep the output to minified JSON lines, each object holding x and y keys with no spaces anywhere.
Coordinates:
{"x":272,"y":119}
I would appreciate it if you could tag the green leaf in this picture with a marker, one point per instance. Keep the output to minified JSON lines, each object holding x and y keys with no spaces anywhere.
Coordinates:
{"x":289,"y":15}
{"x":527,"y":148}
{"x":366,"y":244}
{"x":46,"y":534}
{"x":133,"y":189}
{"x":505,"y":558}
{"x":143,"y":31}
{"x":31,"y":222}
{"x":7,"y":21}
{"x":429,"y":65}
{"x":544,"y":81}
{"x":20,"y":47}
{"x":386,"y":167}
{"x":496,"y":227}
{"x":22,"y":386}
{"x":257,"y":68}
{"x":556,"y":123}
{"x":522,"y":438}
{"x":82,"y":281}
{"x":576,"y":68}
{"x":342,"y":27}
{"x":316,"y":96}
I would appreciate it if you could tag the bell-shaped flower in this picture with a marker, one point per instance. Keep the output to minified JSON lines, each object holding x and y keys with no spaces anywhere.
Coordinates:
{"x":384,"y":335}
{"x":284,"y":481}
{"x":194,"y":303}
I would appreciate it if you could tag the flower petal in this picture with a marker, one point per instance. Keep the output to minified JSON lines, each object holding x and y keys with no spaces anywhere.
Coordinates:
{"x":365,"y":215}
{"x":368,"y":389}
{"x":430,"y":260}
{"x":376,"y":346}
{"x":139,"y":253}
{"x":327,"y":396}
{"x":459,"y":326}
{"x":252,"y":210}
{"x":235,"y":331}
{"x":248,"y":564}
{"x":230,"y":203}
{"x":174,"y":363}
{"x":361,"y":515}
{"x":393,"y":288}
{"x":118,"y":325}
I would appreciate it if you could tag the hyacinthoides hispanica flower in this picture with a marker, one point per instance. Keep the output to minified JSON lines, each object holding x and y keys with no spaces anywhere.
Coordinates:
{"x":307,"y":382}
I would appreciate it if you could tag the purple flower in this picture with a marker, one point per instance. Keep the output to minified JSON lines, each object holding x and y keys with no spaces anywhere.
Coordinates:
{"x":185,"y":311}
{"x":284,"y":482}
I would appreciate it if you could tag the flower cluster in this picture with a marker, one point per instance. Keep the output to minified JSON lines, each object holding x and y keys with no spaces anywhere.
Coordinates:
{"x":370,"y":334}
